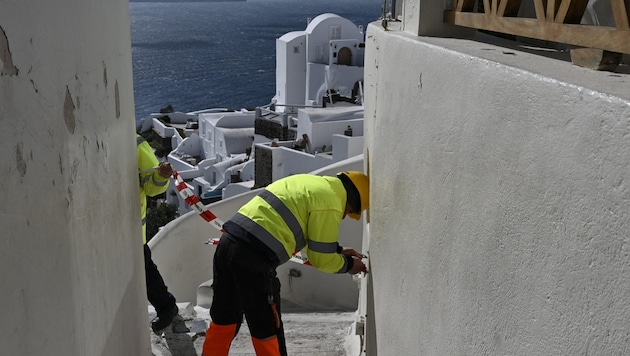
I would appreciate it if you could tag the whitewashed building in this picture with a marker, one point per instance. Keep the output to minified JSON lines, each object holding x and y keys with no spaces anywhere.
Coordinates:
{"x":329,"y":53}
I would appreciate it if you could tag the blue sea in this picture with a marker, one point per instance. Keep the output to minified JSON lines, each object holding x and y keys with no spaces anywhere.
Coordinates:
{"x":198,"y":55}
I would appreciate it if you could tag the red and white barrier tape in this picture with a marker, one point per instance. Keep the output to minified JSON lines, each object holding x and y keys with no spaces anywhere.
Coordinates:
{"x":191,"y":199}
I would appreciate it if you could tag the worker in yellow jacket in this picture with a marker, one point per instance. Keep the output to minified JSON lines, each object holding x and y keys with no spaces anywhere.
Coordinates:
{"x":299,"y":212}
{"x":154,"y":181}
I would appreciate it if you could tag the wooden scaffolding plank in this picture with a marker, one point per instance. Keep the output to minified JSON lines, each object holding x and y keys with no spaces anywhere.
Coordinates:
{"x":621,"y":12}
{"x":562,"y":11}
{"x":600,"y":37}
{"x":539,"y":6}
{"x":551,"y":10}
{"x":486,"y":6}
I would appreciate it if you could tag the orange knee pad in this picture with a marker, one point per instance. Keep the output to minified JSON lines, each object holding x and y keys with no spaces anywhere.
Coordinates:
{"x":266,"y":347}
{"x":218,"y":339}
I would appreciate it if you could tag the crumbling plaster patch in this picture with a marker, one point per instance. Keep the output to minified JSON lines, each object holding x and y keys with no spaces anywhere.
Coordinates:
{"x":20,"y":159}
{"x":5,"y":56}
{"x":117,"y":99}
{"x":105,"y":74}
{"x":68,"y":112}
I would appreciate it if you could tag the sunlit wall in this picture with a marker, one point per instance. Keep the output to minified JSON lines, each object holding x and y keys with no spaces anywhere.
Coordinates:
{"x":71,"y":280}
{"x":500,"y":204}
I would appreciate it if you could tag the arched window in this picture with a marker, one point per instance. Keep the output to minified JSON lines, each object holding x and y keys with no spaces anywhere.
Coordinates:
{"x":344,"y":57}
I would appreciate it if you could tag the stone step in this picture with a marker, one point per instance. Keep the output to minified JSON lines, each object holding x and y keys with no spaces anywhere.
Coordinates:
{"x":307,"y":333}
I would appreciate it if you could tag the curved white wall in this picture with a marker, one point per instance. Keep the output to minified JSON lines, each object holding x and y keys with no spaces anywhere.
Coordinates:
{"x":500,"y":202}
{"x":185,"y":262}
{"x":72,"y":280}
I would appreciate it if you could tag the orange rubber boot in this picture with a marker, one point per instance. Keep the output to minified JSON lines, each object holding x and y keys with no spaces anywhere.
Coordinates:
{"x":218,"y":339}
{"x":266,"y":347}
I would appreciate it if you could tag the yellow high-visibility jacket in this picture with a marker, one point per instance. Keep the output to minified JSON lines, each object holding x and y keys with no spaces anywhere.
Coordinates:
{"x":151,"y":183}
{"x":302,"y":211}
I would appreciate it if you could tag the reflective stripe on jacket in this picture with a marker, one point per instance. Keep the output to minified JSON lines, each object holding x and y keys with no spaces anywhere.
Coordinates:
{"x":151,"y":183}
{"x":298,"y":212}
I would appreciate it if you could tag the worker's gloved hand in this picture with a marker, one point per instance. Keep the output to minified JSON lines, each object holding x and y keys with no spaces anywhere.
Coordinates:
{"x":358,"y":266}
{"x":165,"y":169}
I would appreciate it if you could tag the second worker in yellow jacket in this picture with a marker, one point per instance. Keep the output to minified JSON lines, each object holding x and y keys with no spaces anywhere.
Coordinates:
{"x":154,"y":182}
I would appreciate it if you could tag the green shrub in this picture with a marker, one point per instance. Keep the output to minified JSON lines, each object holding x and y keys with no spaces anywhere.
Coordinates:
{"x":158,"y":216}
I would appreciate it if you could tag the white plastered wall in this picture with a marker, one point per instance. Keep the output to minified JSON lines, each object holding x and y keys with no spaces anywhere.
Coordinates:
{"x":72,"y":279}
{"x":500,"y":202}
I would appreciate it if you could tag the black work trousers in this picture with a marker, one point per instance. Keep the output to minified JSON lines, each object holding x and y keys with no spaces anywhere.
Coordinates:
{"x":157,"y":292}
{"x":246,"y":284}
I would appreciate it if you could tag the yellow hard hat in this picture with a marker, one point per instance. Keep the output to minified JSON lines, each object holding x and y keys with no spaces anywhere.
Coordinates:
{"x":362,"y":185}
